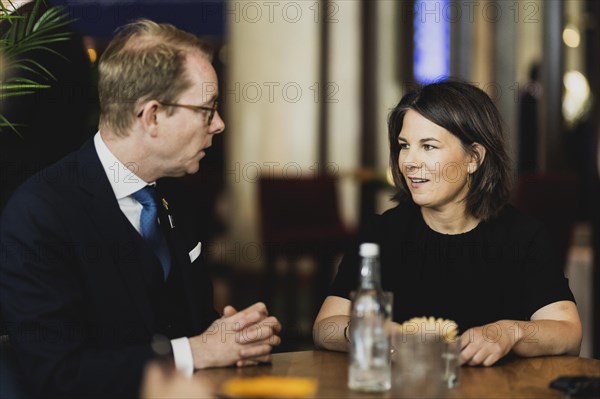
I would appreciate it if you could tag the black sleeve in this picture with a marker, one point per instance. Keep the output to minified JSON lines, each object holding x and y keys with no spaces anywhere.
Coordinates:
{"x":545,"y":280}
{"x":346,"y":279}
{"x":43,"y":301}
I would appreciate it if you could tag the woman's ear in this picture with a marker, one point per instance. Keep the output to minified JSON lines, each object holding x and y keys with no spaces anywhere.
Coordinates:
{"x":477,"y":157}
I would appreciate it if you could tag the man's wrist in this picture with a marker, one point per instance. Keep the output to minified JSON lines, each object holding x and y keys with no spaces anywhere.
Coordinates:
{"x":182,"y":355}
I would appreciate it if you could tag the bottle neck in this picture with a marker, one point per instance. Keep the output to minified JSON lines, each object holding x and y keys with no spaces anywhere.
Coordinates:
{"x":370,"y":276}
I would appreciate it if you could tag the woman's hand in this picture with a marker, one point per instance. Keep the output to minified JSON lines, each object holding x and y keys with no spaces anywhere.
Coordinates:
{"x":554,"y":329}
{"x":487,"y":344}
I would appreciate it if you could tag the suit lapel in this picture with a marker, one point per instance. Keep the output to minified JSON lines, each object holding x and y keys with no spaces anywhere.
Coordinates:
{"x":127,"y":252}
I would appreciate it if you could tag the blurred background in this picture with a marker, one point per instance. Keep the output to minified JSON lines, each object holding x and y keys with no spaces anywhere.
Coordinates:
{"x":306,"y":87}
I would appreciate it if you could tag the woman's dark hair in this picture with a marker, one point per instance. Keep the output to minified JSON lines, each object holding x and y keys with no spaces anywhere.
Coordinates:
{"x":469,"y":114}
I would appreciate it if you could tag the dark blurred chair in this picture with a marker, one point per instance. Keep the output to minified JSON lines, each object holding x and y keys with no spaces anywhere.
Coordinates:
{"x":300,"y":217}
{"x":552,"y":199}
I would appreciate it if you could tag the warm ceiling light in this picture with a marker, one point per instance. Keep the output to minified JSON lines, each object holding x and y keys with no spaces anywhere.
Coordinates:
{"x":92,"y":54}
{"x":571,"y":36}
{"x":576,"y":97}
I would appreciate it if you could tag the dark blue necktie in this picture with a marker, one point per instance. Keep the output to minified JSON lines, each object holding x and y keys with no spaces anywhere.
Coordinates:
{"x":150,"y":229}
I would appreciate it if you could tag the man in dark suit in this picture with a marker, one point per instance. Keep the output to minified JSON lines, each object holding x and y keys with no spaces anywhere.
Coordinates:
{"x":100,"y":267}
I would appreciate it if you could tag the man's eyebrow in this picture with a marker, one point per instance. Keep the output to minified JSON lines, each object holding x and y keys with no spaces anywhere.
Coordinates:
{"x":211,"y":100}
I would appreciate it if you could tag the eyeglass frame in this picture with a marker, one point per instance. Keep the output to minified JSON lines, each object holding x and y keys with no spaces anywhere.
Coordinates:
{"x":211,"y":110}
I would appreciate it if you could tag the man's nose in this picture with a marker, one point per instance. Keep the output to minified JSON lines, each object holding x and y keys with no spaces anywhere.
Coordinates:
{"x":217,"y":124}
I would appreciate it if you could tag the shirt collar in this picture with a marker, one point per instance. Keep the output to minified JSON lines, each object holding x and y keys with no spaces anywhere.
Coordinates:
{"x":123,"y":181}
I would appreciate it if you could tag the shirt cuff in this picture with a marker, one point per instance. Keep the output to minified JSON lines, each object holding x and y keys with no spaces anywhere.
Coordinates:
{"x":182,"y":354}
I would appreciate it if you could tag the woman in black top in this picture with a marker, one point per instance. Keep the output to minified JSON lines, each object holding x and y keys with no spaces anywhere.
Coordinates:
{"x":453,"y":248}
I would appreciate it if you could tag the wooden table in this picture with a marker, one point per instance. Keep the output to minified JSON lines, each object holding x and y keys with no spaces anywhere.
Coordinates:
{"x":523,"y":378}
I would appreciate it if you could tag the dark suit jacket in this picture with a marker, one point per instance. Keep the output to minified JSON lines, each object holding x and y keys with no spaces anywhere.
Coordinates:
{"x":77,"y":282}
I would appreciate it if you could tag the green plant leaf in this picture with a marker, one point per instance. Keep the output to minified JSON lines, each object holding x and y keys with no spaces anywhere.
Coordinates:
{"x":6,"y":123}
{"x":34,"y":31}
{"x":18,"y":89}
{"x":52,"y":16}
{"x":22,"y":81}
{"x":32,"y":17}
{"x":10,"y":17}
{"x":39,"y":46}
{"x":40,"y":67}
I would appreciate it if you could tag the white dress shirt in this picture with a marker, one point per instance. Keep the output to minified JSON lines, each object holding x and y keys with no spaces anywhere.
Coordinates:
{"x":125,"y":182}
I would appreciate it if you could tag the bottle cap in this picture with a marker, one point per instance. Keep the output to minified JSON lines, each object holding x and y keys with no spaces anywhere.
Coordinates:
{"x":369,"y":249}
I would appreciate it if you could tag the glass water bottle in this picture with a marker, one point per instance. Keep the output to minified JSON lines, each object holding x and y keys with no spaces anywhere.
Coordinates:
{"x":370,"y":362}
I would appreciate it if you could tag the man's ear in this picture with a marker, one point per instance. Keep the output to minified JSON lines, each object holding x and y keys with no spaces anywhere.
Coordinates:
{"x":149,"y":116}
{"x":477,"y":157}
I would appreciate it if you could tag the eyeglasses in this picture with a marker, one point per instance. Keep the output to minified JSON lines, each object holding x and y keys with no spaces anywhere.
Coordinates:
{"x":211,"y":110}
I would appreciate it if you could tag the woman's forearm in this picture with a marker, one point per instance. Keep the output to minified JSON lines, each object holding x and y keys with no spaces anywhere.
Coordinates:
{"x":329,"y":333}
{"x":546,"y":337}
